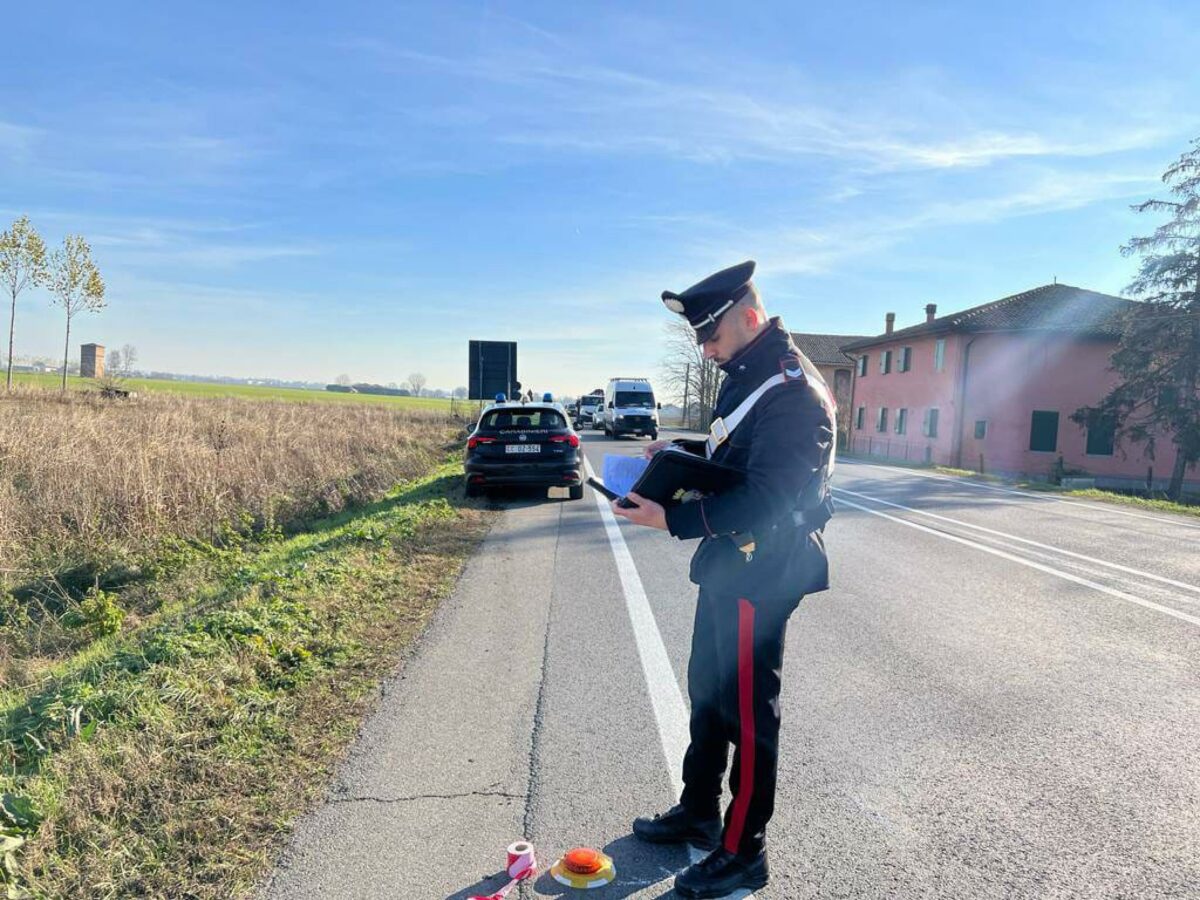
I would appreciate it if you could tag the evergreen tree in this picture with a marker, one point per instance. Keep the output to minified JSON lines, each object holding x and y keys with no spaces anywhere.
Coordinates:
{"x":1158,"y":357}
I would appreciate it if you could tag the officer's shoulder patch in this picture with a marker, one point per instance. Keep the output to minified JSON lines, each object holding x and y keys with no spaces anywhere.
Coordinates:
{"x":792,"y":368}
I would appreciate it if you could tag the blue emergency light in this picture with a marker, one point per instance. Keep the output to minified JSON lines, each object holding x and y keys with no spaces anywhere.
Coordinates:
{"x":500,"y":398}
{"x":547,"y":397}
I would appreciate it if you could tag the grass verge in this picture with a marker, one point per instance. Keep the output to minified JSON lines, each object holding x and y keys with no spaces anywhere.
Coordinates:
{"x":169,"y":760}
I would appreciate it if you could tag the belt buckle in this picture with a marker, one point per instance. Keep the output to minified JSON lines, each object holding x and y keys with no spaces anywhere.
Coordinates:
{"x":717,"y":432}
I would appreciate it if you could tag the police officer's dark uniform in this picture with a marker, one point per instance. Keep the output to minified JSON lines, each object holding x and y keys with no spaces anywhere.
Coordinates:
{"x":761,"y":549}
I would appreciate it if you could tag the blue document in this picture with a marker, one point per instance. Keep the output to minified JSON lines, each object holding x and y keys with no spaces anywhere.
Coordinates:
{"x":622,"y":472}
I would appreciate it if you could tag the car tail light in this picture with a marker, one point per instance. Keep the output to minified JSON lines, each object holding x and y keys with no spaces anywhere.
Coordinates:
{"x":572,"y":439}
{"x":473,"y":441}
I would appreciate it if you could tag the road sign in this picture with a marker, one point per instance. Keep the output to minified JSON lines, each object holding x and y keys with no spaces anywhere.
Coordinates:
{"x":492,"y":369}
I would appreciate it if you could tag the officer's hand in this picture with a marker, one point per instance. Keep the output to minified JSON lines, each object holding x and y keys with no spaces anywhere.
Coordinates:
{"x":647,"y":512}
{"x":654,"y":446}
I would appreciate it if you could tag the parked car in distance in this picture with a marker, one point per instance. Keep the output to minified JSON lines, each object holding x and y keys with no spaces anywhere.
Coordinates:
{"x":629,"y":408}
{"x":589,"y":410}
{"x":529,"y":444}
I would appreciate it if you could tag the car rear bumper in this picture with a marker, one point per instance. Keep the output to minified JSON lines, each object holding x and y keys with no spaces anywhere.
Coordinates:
{"x":547,"y":474}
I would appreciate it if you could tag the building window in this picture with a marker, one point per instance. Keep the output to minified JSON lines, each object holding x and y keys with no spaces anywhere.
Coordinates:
{"x":980,"y":429}
{"x":862,"y":366}
{"x":885,"y":362}
{"x":881,"y":420}
{"x":930,"y":425}
{"x":901,"y":421}
{"x":1043,"y":431}
{"x":841,"y":383}
{"x":860,"y":418}
{"x":905,"y":359}
{"x":1100,"y":437}
{"x":939,"y":355}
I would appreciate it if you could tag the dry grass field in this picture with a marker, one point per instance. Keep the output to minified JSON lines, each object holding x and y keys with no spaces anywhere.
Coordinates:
{"x":87,"y":483}
{"x":197,"y":597}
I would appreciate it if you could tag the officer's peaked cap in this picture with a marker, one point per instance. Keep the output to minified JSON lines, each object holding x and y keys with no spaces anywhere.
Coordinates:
{"x":705,"y":302}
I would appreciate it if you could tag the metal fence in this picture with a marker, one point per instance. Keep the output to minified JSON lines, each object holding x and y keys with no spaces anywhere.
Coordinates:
{"x":883,"y":446}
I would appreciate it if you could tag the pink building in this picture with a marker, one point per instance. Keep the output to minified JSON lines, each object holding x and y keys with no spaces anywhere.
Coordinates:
{"x":836,"y":367}
{"x":992,"y":388}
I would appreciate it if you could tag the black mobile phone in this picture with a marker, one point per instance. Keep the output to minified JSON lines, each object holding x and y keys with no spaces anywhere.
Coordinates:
{"x":602,"y":488}
{"x":623,"y":502}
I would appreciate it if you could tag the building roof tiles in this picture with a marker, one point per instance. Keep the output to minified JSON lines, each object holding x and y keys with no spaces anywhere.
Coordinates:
{"x":826,"y":349}
{"x":1051,"y":307}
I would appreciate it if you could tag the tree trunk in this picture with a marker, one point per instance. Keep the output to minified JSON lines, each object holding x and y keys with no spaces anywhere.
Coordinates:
{"x":1175,"y":488}
{"x":1190,"y":389}
{"x":66,"y":353}
{"x":12,"y":324}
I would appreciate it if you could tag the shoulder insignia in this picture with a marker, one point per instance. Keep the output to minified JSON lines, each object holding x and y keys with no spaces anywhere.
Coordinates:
{"x":792,"y":368}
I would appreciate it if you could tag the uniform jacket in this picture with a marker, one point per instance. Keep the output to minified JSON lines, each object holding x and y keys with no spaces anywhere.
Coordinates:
{"x":783,"y":445}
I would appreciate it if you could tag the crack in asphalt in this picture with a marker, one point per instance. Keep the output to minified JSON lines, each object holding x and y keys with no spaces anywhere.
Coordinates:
{"x":539,"y":709}
{"x":373,"y":799}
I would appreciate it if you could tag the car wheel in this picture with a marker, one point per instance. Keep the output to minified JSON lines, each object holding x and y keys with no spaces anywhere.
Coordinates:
{"x":576,"y":491}
{"x":654,"y":435}
{"x":471,"y":490}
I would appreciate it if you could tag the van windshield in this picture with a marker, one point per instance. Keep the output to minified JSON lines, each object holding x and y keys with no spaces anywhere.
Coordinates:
{"x":634,"y":398}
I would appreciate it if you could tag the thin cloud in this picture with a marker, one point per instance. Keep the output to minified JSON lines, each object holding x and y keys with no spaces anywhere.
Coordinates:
{"x":17,"y":141}
{"x":602,"y":110}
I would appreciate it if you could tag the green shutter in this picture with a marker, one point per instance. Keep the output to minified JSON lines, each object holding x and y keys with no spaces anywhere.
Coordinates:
{"x":1043,"y":431}
{"x":1100,"y":435}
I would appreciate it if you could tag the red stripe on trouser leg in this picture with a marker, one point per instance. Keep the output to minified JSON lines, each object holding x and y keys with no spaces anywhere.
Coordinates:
{"x":741,"y":803}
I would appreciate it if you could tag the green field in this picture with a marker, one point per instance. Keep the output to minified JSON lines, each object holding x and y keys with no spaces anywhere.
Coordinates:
{"x":250,"y":392}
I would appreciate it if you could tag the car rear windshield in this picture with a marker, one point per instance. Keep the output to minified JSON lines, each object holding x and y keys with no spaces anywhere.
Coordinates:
{"x":517,"y":419}
{"x":634,"y":398}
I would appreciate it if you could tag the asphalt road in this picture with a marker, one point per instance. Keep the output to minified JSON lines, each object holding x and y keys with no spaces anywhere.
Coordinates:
{"x":999,"y":697}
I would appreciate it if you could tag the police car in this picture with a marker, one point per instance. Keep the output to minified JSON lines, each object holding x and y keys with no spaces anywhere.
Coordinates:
{"x":524,"y":444}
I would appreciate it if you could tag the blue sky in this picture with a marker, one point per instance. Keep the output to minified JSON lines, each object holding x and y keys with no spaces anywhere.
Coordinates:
{"x":308,"y":189}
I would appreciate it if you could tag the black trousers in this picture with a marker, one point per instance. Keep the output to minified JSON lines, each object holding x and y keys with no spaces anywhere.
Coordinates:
{"x":734,"y":677}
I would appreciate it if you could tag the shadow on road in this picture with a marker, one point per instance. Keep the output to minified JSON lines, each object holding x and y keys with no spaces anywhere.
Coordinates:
{"x":641,"y":867}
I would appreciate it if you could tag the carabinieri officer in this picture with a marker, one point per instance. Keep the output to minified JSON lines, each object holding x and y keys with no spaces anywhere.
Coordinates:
{"x":760,"y":551}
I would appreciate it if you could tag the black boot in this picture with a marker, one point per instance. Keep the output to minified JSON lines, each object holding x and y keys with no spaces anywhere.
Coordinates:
{"x":721,"y":873}
{"x":679,"y":825}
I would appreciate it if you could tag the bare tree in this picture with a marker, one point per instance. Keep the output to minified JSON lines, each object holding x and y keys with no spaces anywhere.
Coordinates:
{"x":343,"y":380}
{"x":129,"y":355}
{"x":113,"y":362}
{"x":417,"y":381}
{"x":460,"y":393}
{"x":22,"y":265}
{"x":75,"y":284}
{"x":693,"y":380}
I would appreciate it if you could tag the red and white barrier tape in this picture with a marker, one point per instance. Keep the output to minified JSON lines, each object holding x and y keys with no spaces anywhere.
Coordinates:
{"x":522,"y":864}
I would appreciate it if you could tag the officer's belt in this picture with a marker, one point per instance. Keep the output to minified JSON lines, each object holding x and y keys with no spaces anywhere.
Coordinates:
{"x":806,"y":520}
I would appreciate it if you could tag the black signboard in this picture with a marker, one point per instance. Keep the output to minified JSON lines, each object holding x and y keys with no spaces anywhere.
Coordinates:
{"x":492,"y":370}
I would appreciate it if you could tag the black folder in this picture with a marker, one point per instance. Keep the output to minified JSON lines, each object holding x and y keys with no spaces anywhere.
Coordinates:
{"x":674,"y":474}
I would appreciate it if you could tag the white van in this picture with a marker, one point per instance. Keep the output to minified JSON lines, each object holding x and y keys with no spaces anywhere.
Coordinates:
{"x":630,"y":408}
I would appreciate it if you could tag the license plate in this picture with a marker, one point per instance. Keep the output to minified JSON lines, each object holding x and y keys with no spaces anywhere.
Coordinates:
{"x":523,"y":448}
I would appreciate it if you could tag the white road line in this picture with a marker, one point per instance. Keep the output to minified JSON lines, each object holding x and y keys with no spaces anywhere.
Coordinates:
{"x":1069,"y":502}
{"x":1049,"y":570}
{"x":1032,"y":543}
{"x":670,"y":710}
